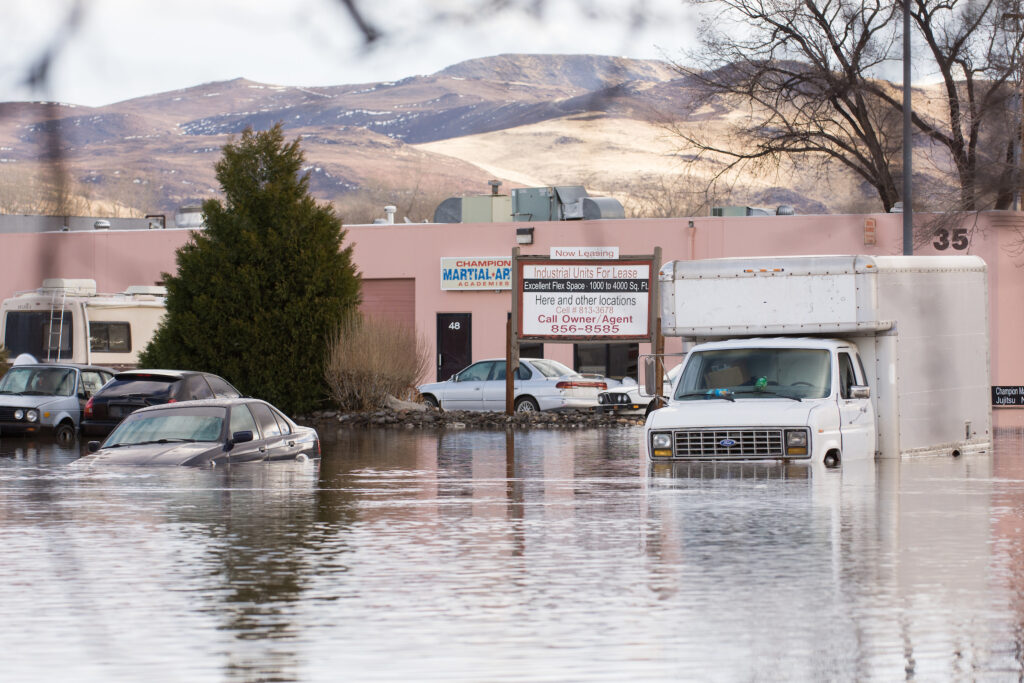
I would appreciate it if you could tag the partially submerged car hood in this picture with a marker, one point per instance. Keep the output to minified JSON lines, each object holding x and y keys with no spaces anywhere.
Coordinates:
{"x":741,"y":413}
{"x":152,"y":454}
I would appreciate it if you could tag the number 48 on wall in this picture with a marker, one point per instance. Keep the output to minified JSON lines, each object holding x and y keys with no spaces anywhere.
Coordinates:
{"x":959,"y":239}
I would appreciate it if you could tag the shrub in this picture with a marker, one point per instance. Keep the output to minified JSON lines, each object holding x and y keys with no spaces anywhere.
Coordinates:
{"x":5,"y":363}
{"x":370,"y":358}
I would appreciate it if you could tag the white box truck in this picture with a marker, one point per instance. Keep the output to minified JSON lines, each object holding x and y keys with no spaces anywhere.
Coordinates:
{"x":825,"y":359}
{"x":67,"y":320}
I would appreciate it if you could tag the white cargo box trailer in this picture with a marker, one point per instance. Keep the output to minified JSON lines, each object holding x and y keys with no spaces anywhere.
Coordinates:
{"x":919,"y":323}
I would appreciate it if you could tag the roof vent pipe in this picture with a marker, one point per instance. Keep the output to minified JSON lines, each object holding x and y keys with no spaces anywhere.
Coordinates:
{"x":495,"y":184}
{"x":389,"y":212}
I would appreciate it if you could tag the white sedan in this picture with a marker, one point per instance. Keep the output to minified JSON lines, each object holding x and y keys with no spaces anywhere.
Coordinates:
{"x":540,"y":384}
{"x":628,"y":400}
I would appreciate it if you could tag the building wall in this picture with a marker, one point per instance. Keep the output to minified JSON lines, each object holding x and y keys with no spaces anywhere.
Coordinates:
{"x":406,"y":257}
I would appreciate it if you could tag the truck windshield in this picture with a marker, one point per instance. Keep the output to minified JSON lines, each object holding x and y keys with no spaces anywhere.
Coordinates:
{"x":757,"y":373}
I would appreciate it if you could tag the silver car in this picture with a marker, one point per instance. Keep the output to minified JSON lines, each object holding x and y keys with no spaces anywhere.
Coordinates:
{"x":540,"y":384}
{"x":47,"y":398}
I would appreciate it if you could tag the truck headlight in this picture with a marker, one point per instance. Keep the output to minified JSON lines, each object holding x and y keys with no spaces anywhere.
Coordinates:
{"x":796,"y":442}
{"x":661,"y":444}
{"x":32,"y":415}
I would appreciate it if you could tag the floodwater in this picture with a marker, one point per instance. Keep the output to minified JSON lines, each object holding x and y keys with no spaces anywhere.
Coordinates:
{"x":479,"y":556}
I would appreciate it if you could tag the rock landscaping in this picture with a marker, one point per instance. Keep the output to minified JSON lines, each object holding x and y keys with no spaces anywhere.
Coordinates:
{"x":431,"y":418}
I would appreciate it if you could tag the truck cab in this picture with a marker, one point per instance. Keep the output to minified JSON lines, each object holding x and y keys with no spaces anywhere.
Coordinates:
{"x":776,"y":398}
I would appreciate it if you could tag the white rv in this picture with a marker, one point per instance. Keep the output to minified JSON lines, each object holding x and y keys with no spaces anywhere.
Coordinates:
{"x":66,"y":320}
{"x":825,"y":359}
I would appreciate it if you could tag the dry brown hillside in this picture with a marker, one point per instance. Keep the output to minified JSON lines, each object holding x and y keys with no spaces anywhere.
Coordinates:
{"x":528,"y":120}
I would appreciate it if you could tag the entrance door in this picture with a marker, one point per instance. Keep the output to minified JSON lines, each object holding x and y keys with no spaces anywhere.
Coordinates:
{"x":454,"y":343}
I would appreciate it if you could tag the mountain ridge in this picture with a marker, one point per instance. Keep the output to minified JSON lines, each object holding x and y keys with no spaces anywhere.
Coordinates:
{"x":434,"y":135}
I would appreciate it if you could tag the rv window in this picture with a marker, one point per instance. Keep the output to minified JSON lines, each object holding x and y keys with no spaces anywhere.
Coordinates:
{"x":29,"y":332}
{"x":115,"y":337}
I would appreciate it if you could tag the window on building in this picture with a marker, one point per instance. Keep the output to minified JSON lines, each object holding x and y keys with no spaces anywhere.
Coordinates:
{"x":616,"y":360}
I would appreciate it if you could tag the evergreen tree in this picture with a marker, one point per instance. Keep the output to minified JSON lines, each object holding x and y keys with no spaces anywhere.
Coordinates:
{"x":262,"y":289}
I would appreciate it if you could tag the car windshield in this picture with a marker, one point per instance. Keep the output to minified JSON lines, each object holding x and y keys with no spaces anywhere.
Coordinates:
{"x":168,"y":425}
{"x":756,"y":373}
{"x":39,"y":381}
{"x":552,"y":368}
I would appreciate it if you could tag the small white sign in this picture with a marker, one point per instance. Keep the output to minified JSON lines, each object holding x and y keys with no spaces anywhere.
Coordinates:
{"x":603,"y":253}
{"x":475,"y":273}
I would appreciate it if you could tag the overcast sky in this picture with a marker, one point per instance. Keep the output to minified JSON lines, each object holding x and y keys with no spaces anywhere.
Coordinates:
{"x":128,"y":48}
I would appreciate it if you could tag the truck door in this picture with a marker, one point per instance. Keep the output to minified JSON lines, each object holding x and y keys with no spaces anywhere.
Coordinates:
{"x":856,"y":416}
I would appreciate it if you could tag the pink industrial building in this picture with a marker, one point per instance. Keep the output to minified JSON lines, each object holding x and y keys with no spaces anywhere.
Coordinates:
{"x":402,"y":264}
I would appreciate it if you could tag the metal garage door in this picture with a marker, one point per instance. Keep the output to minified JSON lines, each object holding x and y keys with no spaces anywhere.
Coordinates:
{"x":390,"y":299}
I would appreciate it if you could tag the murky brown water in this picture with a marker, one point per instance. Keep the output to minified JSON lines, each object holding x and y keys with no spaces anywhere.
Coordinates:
{"x":471,"y":556}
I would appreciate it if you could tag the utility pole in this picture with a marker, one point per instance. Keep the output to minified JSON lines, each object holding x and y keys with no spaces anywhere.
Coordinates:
{"x":908,"y":143}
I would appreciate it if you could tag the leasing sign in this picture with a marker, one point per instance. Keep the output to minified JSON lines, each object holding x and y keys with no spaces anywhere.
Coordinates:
{"x":473,"y":273}
{"x":585,"y":299}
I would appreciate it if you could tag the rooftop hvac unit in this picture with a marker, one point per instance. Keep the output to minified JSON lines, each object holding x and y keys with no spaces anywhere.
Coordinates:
{"x":562,"y":203}
{"x":534,"y":204}
{"x":602,"y":207}
{"x":449,"y":211}
{"x":738,"y":211}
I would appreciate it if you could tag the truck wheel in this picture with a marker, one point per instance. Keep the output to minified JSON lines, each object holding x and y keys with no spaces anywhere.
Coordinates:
{"x":64,"y":433}
{"x":832,"y":459}
{"x":526,"y":404}
{"x":430,"y":400}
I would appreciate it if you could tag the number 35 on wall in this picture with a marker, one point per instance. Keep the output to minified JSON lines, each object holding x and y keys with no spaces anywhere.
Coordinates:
{"x":943,"y":239}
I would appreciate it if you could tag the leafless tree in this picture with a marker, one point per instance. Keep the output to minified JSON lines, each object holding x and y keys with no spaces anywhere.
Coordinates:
{"x":806,"y":72}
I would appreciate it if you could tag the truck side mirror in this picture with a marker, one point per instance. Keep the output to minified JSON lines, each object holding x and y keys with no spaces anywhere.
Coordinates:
{"x":857,"y":391}
{"x":650,"y":376}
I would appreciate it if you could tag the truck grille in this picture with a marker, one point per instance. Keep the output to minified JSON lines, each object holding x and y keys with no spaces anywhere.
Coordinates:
{"x":728,"y":443}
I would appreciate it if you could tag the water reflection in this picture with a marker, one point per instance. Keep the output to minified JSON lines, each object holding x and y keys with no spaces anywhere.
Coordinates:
{"x":533,"y":555}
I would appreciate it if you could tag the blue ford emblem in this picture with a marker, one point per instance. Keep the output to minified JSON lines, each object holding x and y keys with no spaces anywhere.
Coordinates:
{"x":726,"y":443}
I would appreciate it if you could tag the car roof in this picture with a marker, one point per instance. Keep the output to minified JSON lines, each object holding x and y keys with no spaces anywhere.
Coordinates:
{"x":74,"y":366}
{"x":164,"y":374}
{"x":201,"y":403}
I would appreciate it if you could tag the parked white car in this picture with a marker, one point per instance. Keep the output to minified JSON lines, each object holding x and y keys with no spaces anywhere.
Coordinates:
{"x":540,"y":384}
{"x":627,"y":399}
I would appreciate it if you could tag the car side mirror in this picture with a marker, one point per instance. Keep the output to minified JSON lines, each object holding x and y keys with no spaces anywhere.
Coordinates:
{"x":241,"y":437}
{"x":237,"y":437}
{"x":93,"y":446}
{"x":857,"y":391}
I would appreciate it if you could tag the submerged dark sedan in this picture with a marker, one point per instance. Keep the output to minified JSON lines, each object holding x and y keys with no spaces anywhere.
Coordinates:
{"x":209,"y":433}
